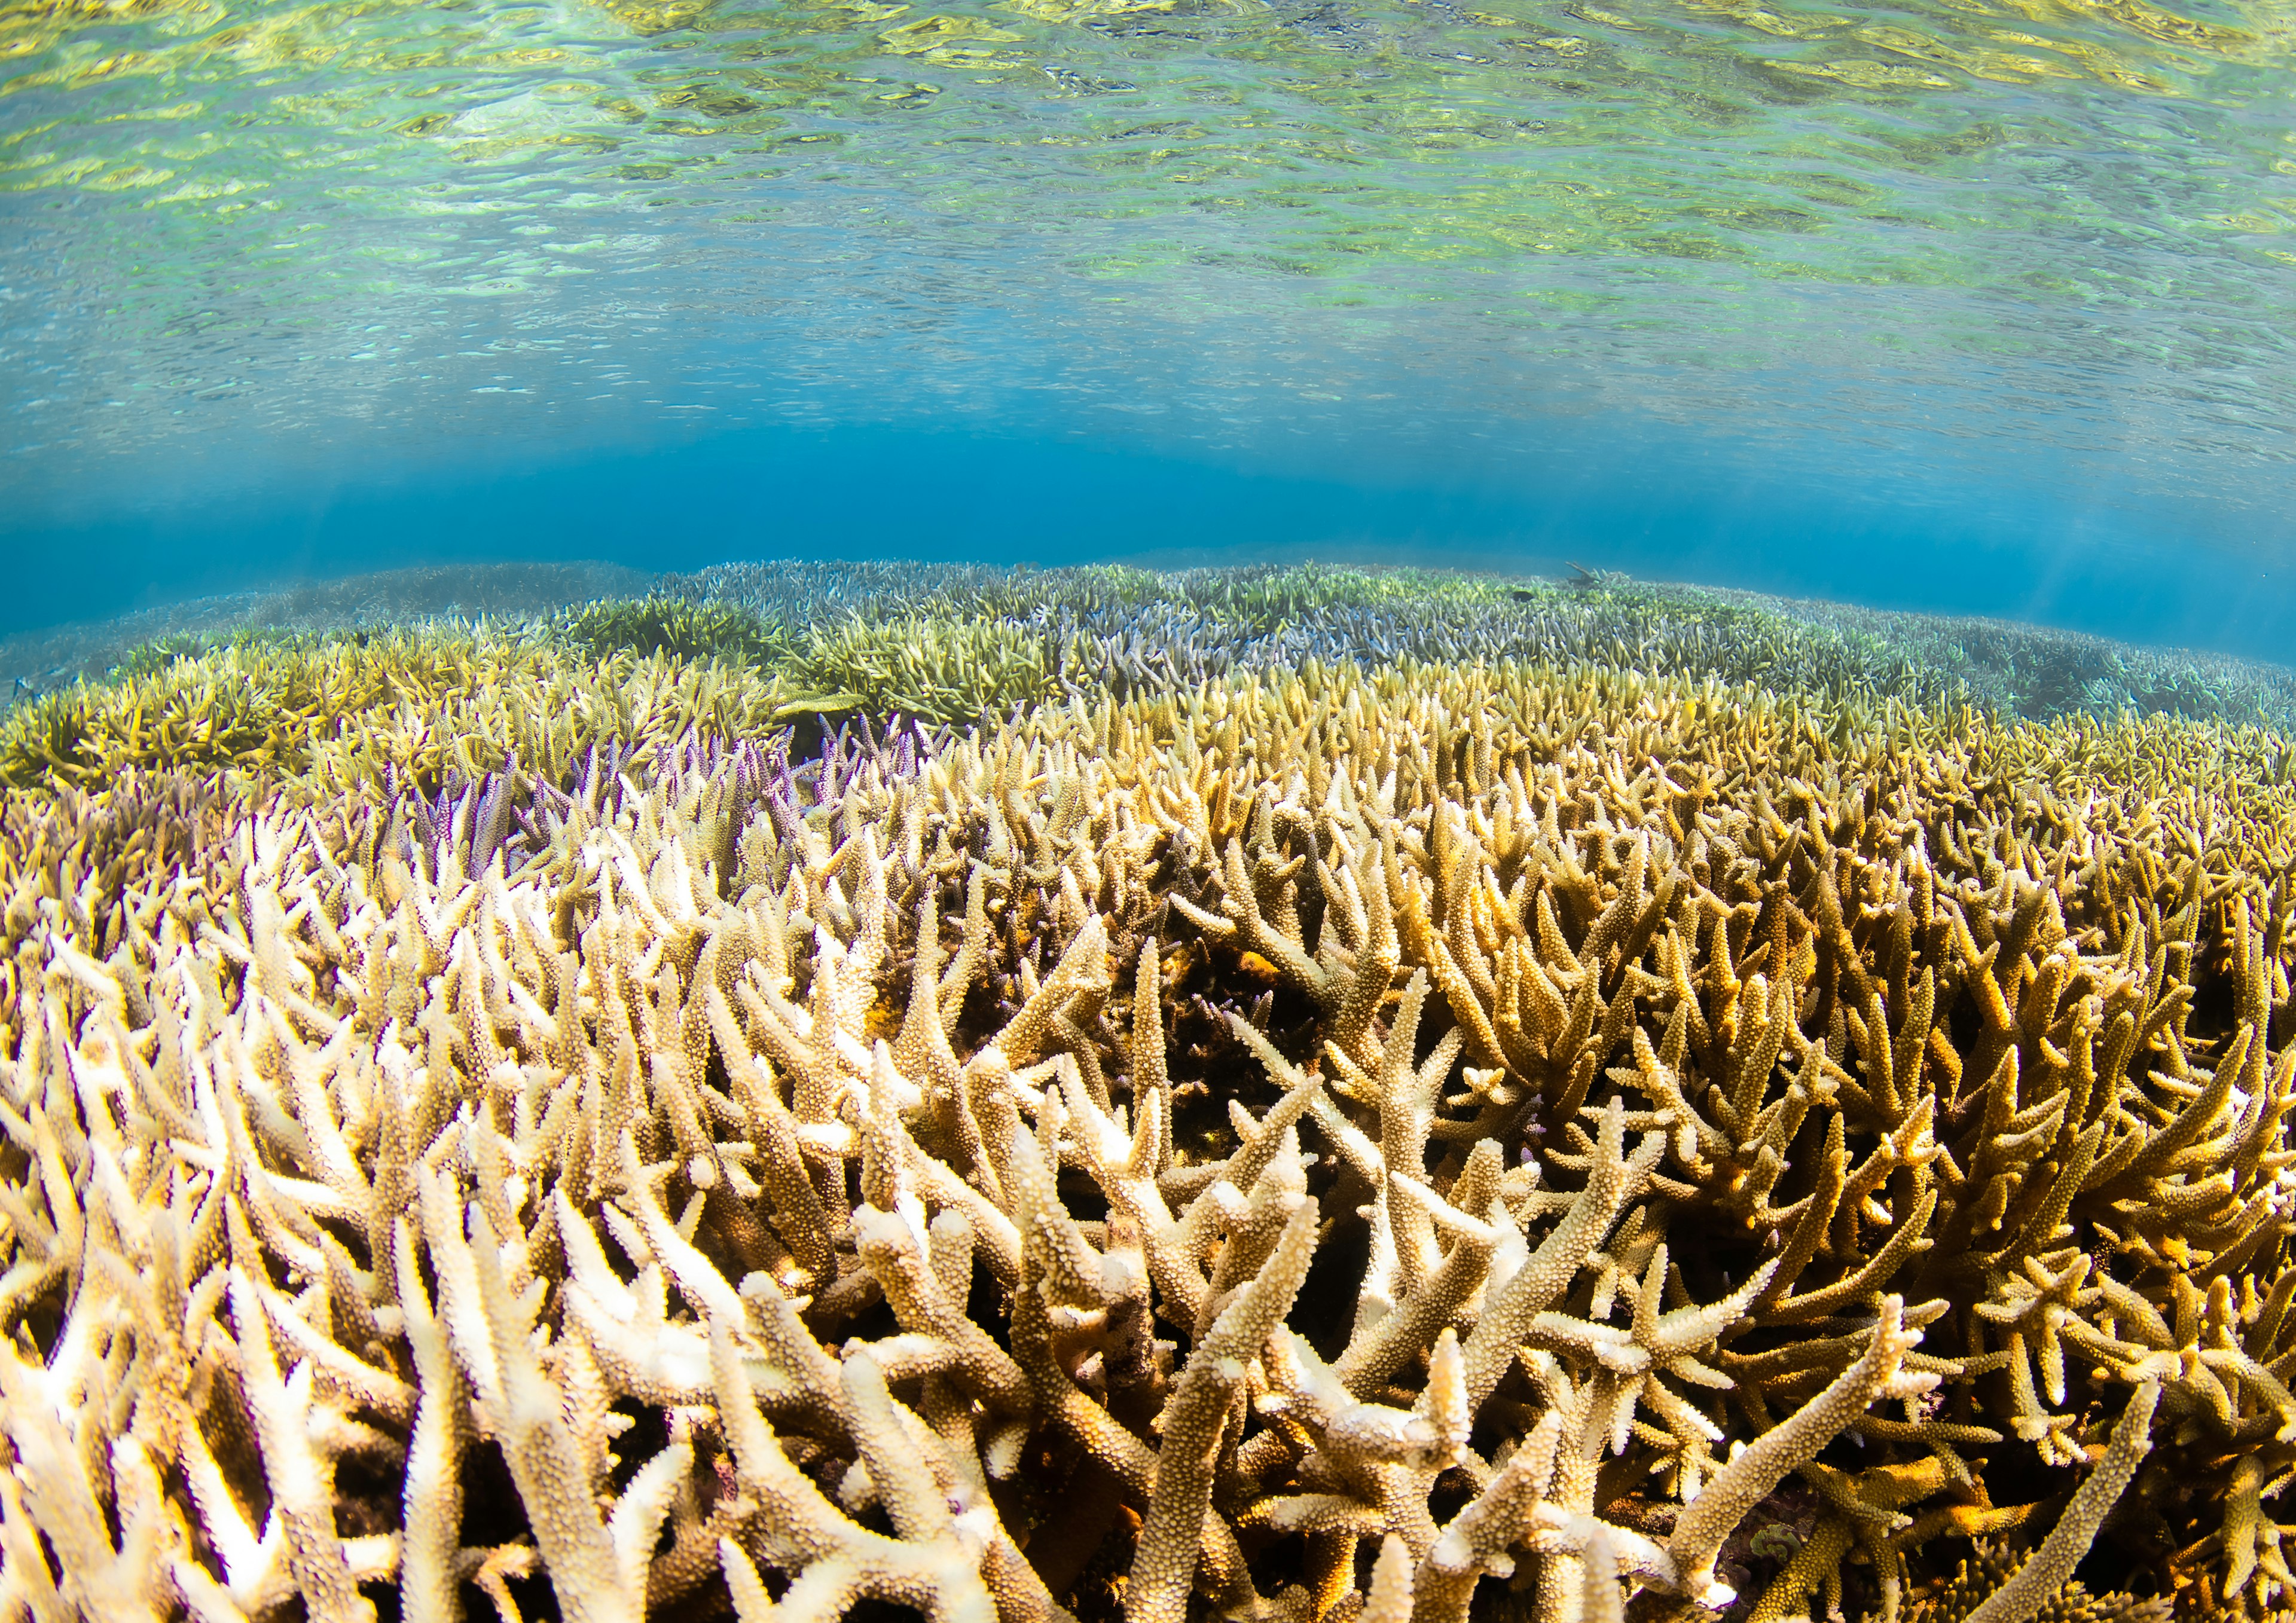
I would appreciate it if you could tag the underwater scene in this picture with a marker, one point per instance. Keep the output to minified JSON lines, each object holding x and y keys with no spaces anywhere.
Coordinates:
{"x":1147,"y":811}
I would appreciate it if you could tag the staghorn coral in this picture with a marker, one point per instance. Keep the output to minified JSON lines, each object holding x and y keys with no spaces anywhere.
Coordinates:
{"x":34,"y":662}
{"x":951,"y":640}
{"x":1394,"y":1145}
{"x":676,"y":625}
{"x":346,"y":716}
{"x":1981,"y":1577}
{"x":1131,"y":630}
{"x":933,"y":668}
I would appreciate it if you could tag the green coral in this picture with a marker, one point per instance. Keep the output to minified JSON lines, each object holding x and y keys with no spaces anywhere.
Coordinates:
{"x":201,"y":713}
{"x":930,"y":667}
{"x":350,"y":707}
{"x":149,"y":659}
{"x":1263,"y":600}
{"x":964,"y":654}
{"x":347,"y":709}
{"x":659,"y":624}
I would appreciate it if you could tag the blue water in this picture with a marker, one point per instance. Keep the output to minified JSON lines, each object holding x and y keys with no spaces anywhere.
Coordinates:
{"x":1981,"y":308}
{"x":2194,"y":576}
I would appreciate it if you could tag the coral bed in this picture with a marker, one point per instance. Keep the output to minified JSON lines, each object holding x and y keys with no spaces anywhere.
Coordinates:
{"x":945,"y":640}
{"x":1347,"y":1147}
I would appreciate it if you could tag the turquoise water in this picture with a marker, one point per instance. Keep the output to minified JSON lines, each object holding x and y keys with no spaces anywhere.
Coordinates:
{"x":1976,"y":305}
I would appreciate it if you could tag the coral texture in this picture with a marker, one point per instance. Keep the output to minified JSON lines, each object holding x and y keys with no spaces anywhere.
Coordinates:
{"x":1407,"y":1145}
{"x":948,"y":643}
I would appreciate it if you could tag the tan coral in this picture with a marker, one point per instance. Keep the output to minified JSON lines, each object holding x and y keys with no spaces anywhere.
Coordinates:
{"x":1658,"y":1113}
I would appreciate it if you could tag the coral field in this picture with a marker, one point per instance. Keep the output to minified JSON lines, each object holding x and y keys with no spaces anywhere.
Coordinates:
{"x":945,"y":640}
{"x":572,"y":1134}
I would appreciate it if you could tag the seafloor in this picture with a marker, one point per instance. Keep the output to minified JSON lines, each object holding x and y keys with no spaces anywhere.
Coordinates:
{"x":1335,"y":1096}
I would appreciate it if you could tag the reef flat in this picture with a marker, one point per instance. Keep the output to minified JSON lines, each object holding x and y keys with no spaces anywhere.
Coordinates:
{"x":42,"y":660}
{"x":656,"y":1113}
{"x":1093,"y":628}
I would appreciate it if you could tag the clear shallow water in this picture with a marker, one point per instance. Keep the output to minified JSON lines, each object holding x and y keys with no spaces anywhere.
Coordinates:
{"x":1979,"y":303}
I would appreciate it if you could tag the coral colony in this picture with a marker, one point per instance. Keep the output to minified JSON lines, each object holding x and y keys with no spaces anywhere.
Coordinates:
{"x":567,"y":1122}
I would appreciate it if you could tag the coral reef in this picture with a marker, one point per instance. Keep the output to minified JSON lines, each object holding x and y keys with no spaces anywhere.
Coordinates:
{"x":939,"y":671}
{"x":1413,"y":1143}
{"x":352,"y":714}
{"x":37,"y":662}
{"x":681,"y":626}
{"x":1130,"y":628}
{"x":951,"y":642}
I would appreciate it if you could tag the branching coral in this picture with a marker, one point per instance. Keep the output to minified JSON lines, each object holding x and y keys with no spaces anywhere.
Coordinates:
{"x":933,"y":668}
{"x":322,"y":679}
{"x":1137,"y":632}
{"x":1357,"y":1147}
{"x":660,"y":624}
{"x":341,"y":716}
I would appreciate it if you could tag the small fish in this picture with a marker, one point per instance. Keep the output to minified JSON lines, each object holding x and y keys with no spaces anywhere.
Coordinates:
{"x":827,"y":704}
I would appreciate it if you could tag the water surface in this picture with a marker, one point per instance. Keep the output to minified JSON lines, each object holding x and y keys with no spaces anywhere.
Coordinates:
{"x":2011,"y":272}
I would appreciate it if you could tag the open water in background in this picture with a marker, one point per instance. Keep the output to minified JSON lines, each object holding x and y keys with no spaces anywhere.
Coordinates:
{"x":1979,"y":305}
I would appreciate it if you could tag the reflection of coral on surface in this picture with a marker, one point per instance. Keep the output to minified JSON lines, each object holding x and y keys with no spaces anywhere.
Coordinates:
{"x":1397,"y":1147}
